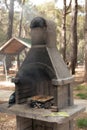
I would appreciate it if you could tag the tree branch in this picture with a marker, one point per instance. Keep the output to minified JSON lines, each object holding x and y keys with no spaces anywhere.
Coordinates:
{"x":69,"y":6}
{"x":6,"y":4}
{"x":68,"y":12}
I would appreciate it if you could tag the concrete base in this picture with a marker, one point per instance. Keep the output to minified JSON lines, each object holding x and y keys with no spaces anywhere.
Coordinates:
{"x":42,"y":114}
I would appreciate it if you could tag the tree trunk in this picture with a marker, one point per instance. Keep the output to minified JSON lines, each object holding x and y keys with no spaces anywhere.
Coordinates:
{"x":20,"y":25}
{"x":64,"y":32}
{"x":10,"y":19}
{"x":21,"y":17}
{"x":74,"y":42}
{"x":9,"y":32}
{"x":85,"y":31}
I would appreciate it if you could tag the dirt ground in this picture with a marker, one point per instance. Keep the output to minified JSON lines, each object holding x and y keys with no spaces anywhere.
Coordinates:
{"x":8,"y":122}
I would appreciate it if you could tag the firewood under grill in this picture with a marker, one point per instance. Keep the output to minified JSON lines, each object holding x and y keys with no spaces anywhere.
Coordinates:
{"x":40,"y":101}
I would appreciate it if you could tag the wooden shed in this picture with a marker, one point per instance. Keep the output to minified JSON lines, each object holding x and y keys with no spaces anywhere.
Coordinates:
{"x":14,"y":47}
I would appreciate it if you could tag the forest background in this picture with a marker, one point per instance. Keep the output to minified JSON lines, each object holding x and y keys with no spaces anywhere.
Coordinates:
{"x":69,"y":16}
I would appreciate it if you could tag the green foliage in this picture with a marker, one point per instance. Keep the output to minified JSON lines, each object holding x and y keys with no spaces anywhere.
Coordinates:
{"x":80,"y":26}
{"x":81,"y":48}
{"x":3,"y":26}
{"x":82,"y":123}
{"x":82,"y":95}
{"x":2,"y":36}
{"x":82,"y":91}
{"x":81,"y":87}
{"x":47,"y":10}
{"x":22,"y":1}
{"x":81,"y":8}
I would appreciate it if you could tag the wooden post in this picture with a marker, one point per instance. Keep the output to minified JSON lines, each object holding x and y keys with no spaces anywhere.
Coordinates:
{"x":18,"y":61}
{"x":5,"y":67}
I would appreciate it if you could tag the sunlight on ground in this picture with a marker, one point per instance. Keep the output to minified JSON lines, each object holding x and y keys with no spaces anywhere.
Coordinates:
{"x":7,"y":83}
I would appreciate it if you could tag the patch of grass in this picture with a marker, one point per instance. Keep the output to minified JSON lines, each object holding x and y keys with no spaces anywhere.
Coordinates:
{"x":82,"y":123}
{"x":82,"y":95}
{"x":81,"y":87}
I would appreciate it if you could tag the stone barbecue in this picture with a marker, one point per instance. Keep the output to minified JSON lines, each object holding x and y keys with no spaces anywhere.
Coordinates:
{"x":43,"y":84}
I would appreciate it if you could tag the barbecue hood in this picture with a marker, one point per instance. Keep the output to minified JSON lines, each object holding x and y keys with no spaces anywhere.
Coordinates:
{"x":43,"y":60}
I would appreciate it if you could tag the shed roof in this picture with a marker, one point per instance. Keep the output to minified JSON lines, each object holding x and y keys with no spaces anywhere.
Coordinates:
{"x":15,"y":46}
